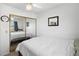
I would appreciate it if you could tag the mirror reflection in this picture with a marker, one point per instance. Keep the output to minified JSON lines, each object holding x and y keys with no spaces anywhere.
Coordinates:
{"x":17,"y":24}
{"x":21,"y":28}
{"x":17,"y":27}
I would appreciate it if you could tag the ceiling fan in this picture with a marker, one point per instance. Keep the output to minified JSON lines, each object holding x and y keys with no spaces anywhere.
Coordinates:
{"x":29,"y":6}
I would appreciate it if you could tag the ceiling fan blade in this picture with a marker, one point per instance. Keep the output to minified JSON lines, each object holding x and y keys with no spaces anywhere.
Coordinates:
{"x":37,"y":6}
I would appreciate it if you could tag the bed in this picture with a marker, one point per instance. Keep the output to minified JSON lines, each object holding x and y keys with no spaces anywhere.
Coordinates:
{"x":47,"y":46}
{"x":18,"y":34}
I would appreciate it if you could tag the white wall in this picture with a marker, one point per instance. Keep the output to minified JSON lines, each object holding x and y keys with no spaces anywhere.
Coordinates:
{"x":4,"y":26}
{"x":68,"y":21}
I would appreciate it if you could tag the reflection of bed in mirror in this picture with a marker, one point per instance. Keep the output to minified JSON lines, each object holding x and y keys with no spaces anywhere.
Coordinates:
{"x":22,"y":28}
{"x":17,"y":35}
{"x":17,"y":28}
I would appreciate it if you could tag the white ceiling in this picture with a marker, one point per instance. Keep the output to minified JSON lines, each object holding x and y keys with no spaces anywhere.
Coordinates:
{"x":44,"y":6}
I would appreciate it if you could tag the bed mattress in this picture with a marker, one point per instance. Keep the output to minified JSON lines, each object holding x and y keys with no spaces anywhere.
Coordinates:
{"x":45,"y":46}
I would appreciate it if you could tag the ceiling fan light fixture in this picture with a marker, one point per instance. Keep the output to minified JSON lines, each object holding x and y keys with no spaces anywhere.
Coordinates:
{"x":29,"y":6}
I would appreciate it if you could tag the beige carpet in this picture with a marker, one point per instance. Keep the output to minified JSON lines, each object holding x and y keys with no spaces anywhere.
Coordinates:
{"x":13,"y":47}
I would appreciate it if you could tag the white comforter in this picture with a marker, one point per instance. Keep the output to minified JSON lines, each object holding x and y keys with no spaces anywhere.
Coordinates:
{"x":45,"y":46}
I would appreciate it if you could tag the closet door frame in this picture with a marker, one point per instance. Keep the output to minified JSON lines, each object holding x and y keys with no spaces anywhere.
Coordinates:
{"x":25,"y":25}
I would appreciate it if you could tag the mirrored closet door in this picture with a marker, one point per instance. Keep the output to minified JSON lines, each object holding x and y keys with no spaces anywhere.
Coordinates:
{"x":31,"y":27}
{"x":21,"y":28}
{"x":17,"y":27}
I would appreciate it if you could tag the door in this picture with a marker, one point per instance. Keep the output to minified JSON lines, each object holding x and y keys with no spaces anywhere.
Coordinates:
{"x":31,"y":27}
